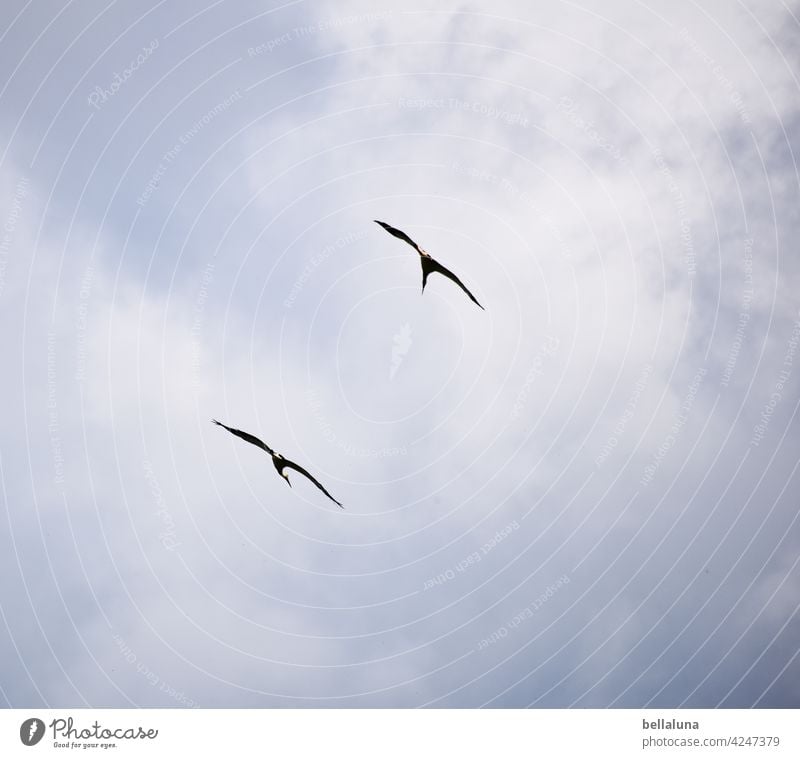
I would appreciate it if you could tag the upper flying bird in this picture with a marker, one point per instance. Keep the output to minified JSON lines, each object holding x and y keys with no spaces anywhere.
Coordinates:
{"x":280,"y":463}
{"x":429,"y":264}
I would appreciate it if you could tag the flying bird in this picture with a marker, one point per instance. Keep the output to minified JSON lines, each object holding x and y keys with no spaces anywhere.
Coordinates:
{"x":280,"y":463}
{"x":429,"y":264}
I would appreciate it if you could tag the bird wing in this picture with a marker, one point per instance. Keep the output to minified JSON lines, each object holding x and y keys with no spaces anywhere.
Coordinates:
{"x":400,"y":235}
{"x":301,"y":470}
{"x":435,"y":267}
{"x":246,"y":437}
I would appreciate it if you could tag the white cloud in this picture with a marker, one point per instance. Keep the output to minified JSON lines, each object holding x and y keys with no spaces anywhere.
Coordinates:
{"x":593,"y":179}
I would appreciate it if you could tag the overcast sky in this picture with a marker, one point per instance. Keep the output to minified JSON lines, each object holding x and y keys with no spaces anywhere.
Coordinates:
{"x":586,"y":495}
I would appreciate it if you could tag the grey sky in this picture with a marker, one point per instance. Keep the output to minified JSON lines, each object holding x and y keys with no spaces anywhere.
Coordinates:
{"x":585,"y":496}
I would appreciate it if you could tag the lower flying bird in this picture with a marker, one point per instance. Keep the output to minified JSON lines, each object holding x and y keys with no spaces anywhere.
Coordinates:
{"x":280,"y":463}
{"x":429,"y":264}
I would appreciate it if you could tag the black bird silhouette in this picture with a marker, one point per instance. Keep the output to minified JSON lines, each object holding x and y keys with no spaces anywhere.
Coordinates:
{"x":280,"y":463}
{"x":429,"y":264}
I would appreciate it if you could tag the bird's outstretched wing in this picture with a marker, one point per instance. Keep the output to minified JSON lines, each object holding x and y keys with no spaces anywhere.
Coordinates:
{"x":301,"y":470}
{"x":400,"y":235}
{"x":434,"y":267}
{"x":246,"y":437}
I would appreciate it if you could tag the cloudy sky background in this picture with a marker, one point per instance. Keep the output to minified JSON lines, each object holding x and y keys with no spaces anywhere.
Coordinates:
{"x":584,"y":496}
